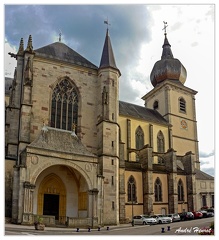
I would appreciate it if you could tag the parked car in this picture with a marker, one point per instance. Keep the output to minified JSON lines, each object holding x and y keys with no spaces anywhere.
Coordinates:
{"x":186,"y":216}
{"x":210,"y":212}
{"x":197,"y":214}
{"x":143,"y":220}
{"x":204,"y":213}
{"x":162,"y":218}
{"x":175,"y":217}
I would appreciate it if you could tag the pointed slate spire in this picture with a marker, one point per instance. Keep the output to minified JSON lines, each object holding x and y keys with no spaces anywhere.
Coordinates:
{"x":29,"y":45}
{"x":21,"y":47}
{"x":167,"y":52}
{"x":107,"y":59}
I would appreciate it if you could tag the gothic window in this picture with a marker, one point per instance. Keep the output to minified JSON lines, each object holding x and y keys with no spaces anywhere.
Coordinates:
{"x":182,"y":105}
{"x":64,"y":106}
{"x":180,"y":191}
{"x":158,"y":190}
{"x":155,"y":105}
{"x":132,"y":190}
{"x":139,"y":139}
{"x":160,"y":146}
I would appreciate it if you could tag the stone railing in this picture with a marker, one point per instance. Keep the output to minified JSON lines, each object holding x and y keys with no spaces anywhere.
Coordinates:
{"x":82,"y":222}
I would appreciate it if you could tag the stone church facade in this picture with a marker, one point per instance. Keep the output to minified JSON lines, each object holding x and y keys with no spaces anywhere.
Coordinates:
{"x":76,"y":155}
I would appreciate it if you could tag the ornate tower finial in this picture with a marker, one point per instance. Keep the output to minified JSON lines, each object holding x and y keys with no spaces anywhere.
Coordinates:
{"x":165,"y":28}
{"x":21,"y":47}
{"x":29,"y":45}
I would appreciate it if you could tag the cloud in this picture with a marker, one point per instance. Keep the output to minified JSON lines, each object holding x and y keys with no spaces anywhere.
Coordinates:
{"x":83,"y":30}
{"x":206,"y":155}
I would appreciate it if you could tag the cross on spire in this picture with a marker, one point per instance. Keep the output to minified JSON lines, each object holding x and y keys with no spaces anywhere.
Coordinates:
{"x":165,"y":27}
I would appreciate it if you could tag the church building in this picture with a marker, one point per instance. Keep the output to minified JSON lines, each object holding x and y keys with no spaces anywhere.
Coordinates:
{"x":77,"y":155}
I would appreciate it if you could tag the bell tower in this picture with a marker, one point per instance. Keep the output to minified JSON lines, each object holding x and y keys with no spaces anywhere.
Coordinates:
{"x":108,"y":131}
{"x":174,"y":101}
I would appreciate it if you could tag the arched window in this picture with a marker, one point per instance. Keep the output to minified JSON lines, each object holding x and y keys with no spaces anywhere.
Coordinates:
{"x":132,"y":190}
{"x":180,"y":191}
{"x":64,"y":106}
{"x":182,"y":105}
{"x":139,"y":139}
{"x":155,"y":105}
{"x":158,"y":190}
{"x":160,"y":145}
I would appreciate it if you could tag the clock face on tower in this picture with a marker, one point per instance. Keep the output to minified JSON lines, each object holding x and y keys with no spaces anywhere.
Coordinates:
{"x":184,"y":124}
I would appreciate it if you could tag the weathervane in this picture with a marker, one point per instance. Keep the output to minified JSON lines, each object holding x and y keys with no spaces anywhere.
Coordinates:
{"x":107,"y":23}
{"x":165,"y":27}
{"x":60,"y":35}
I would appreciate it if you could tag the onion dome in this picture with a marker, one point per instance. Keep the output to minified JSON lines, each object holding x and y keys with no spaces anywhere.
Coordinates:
{"x":168,"y":67}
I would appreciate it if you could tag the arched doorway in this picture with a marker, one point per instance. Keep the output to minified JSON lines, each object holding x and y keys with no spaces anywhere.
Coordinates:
{"x":52,"y":197}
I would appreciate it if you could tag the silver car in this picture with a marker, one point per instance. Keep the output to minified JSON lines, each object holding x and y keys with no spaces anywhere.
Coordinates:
{"x":175,"y":217}
{"x":143,"y":220}
{"x":162,"y":218}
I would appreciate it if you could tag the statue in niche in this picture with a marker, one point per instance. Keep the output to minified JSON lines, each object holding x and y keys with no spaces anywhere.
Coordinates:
{"x":28,"y":73}
{"x":104,"y":96}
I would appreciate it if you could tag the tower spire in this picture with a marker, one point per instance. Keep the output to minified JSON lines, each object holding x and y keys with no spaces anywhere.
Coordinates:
{"x":107,"y":59}
{"x":167,"y":52}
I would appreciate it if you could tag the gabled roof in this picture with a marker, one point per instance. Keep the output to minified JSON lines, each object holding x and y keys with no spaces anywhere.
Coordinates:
{"x":202,"y":175}
{"x":60,"y":51}
{"x":135,"y":111}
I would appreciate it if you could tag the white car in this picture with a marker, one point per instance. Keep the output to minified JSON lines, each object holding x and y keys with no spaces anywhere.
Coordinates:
{"x":143,"y":219}
{"x":162,"y":218}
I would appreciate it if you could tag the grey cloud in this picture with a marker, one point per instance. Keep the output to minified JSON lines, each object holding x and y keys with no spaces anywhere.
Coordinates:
{"x":205,"y":155}
{"x":194,"y":44}
{"x":83,"y":30}
{"x":176,"y":26}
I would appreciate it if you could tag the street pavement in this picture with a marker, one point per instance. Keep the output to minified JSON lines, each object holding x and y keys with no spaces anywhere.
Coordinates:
{"x":177,"y":228}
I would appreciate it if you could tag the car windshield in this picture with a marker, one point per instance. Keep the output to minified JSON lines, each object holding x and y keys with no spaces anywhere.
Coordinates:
{"x":146,"y":216}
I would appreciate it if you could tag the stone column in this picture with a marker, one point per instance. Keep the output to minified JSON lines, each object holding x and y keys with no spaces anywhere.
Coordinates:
{"x":188,"y":163}
{"x":146,"y":159}
{"x":28,"y":197}
{"x":15,"y":194}
{"x":28,"y":203}
{"x":92,"y":194}
{"x":128,"y":137}
{"x":122,"y":215}
{"x":151,"y":140}
{"x":171,"y":168}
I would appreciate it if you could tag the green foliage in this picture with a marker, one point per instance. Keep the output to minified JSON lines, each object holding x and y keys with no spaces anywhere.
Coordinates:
{"x":39,"y":220}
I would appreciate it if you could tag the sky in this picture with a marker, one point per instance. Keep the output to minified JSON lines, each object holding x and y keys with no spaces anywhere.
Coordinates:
{"x":137,"y":36}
